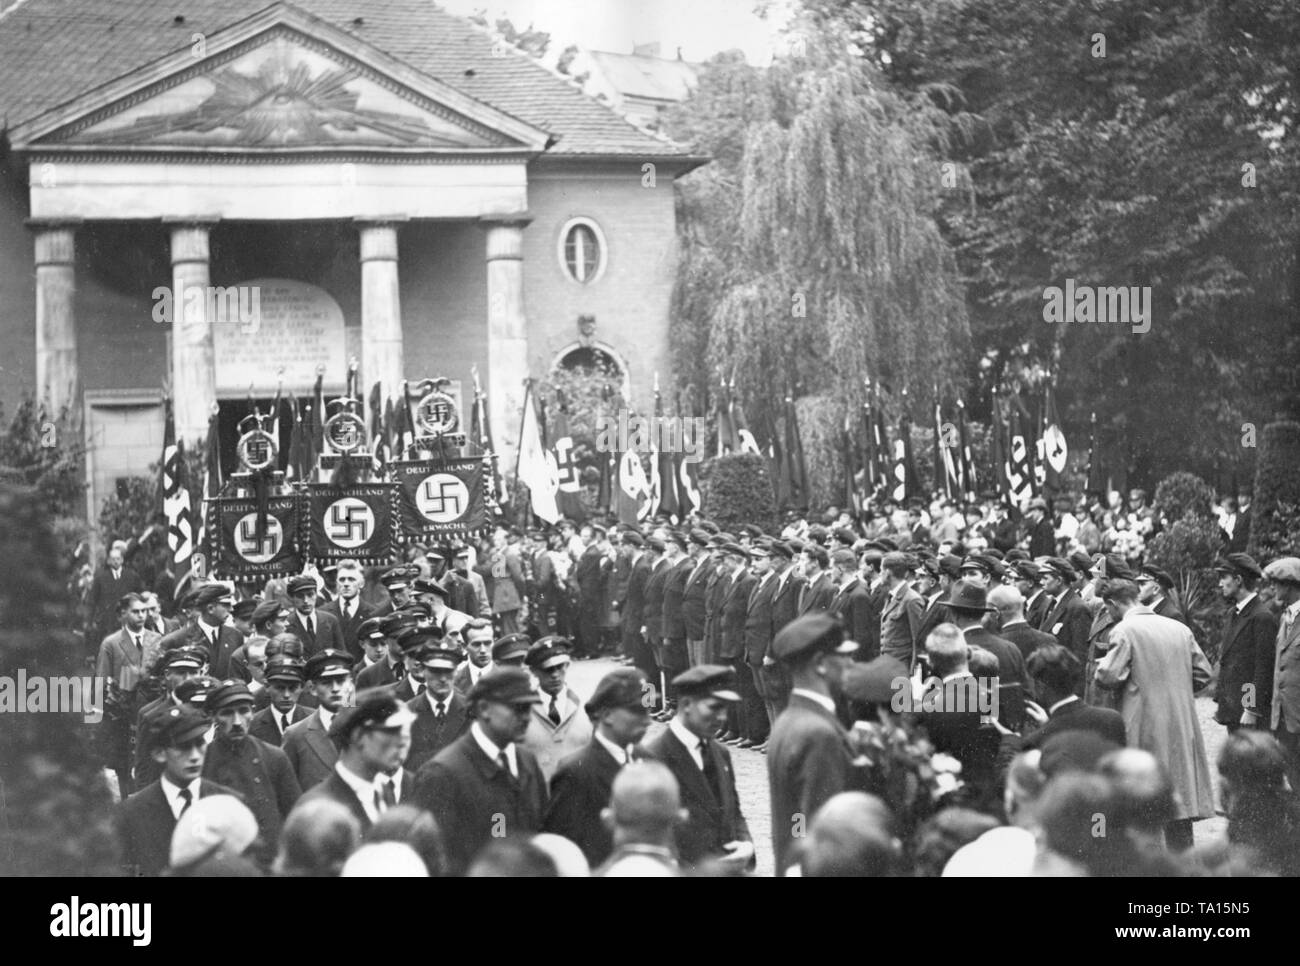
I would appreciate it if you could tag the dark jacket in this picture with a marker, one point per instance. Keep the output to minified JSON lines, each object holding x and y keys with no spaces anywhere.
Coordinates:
{"x":473,"y":799}
{"x":816,"y":594}
{"x":350,"y":627}
{"x":714,"y":592}
{"x":103,"y":598}
{"x":933,"y":613}
{"x":634,"y":603}
{"x":1246,"y":662}
{"x":310,"y":751}
{"x":785,"y":604}
{"x":1013,"y":683}
{"x":711,"y":822}
{"x":735,"y":610}
{"x":1025,"y":637}
{"x":694,"y":604}
{"x":674,"y":599}
{"x":377,"y":675}
{"x":229,"y":640}
{"x":861,"y":618}
{"x":261,"y":773}
{"x":145,"y":824}
{"x":580,"y":789}
{"x":758,"y":619}
{"x":808,"y":760}
{"x":264,"y":727}
{"x":428,"y":736}
{"x":1076,"y":716}
{"x":1069,"y":621}
{"x":653,"y":615}
{"x":327,"y":632}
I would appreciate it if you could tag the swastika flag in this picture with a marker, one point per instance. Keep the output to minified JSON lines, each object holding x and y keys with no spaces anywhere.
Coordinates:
{"x":441,"y":498}
{"x":352,"y":521}
{"x":239,"y":551}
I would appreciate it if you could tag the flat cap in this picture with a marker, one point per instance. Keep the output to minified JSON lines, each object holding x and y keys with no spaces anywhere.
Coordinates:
{"x":1164,"y":580}
{"x":1061,"y":567}
{"x":172,"y":726}
{"x":654,"y":543}
{"x":700,"y":537}
{"x":875,"y":681}
{"x":1016,"y":553}
{"x":510,"y":647}
{"x":301,"y":584}
{"x":815,"y":632}
{"x":1026,"y":570}
{"x":1284,"y":570}
{"x":505,"y":685}
{"x":1115,"y":567}
{"x":1081,"y":562}
{"x":244,"y":609}
{"x":779,"y":548}
{"x":374,"y":708}
{"x":268,"y":610}
{"x":707,"y":681}
{"x":226,"y":694}
{"x":844,"y":535}
{"x":548,"y":652}
{"x":950,"y":564}
{"x":623,"y":687}
{"x":633,"y":539}
{"x":677,"y":538}
{"x":212,"y":594}
{"x":1241,"y":564}
{"x":735,"y":550}
{"x":329,"y":663}
{"x":749,"y":530}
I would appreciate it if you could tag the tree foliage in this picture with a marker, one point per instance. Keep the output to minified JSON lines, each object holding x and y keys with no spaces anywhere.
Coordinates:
{"x":737,"y":489}
{"x":1275,"y":512}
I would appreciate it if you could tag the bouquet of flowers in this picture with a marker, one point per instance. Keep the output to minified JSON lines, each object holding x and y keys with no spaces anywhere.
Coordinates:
{"x":903,"y":768}
{"x":1129,"y":544}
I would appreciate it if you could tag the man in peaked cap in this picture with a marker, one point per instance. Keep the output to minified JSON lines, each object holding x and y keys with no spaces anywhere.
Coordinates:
{"x":176,"y":741}
{"x":1246,"y":656}
{"x":484,"y":783}
{"x":260,"y":772}
{"x":371,"y":738}
{"x":1283,"y":575}
{"x":1067,"y":617}
{"x":1028,"y":579}
{"x":397,"y":582}
{"x":901,"y":616}
{"x":1154,"y":587}
{"x":809,"y":757}
{"x":176,"y":667}
{"x":241,"y":615}
{"x":634,"y":645}
{"x":558,"y":726}
{"x":853,"y":604}
{"x":441,"y":712}
{"x":511,"y":651}
{"x":675,"y":658}
{"x":760,"y":613}
{"x":581,"y":785}
{"x":391,"y":667}
{"x":284,"y":682}
{"x":652,"y":620}
{"x":211,"y":604}
{"x":317,"y":630}
{"x":715,"y":827}
{"x":695,"y":596}
{"x":307,"y":743}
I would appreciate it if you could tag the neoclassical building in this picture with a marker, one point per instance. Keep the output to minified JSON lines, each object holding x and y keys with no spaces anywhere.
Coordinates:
{"x":340,"y":179}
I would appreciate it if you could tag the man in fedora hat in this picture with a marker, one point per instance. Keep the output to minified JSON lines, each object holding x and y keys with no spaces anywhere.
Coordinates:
{"x":1245,"y":689}
{"x":968,"y":603}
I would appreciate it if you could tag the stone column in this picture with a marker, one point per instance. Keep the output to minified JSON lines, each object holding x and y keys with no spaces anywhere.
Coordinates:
{"x":56,"y":321}
{"x":381,"y":309}
{"x":193,"y":368}
{"x":507,"y":332}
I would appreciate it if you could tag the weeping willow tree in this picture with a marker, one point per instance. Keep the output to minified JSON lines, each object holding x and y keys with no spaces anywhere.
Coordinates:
{"x":811,"y":257}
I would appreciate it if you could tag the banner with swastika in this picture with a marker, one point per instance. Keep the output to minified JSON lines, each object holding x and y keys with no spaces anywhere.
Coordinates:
{"x":441,"y":498}
{"x":352,"y":521}
{"x":239,"y":553}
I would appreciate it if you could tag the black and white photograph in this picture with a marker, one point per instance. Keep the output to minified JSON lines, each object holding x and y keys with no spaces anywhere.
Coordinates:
{"x":651,"y":438}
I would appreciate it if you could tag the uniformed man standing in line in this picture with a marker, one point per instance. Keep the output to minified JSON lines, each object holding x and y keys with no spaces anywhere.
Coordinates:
{"x":258,"y":771}
{"x":284,"y":678}
{"x":307,"y":743}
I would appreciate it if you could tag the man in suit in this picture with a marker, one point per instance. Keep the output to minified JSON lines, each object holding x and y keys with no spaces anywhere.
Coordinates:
{"x":755,"y":724}
{"x":391,"y":667}
{"x":177,"y":666}
{"x":715,"y":589}
{"x":968,"y":603}
{"x":1068,"y":619}
{"x":695,"y":597}
{"x":1029,"y":581}
{"x":111,"y":583}
{"x":441,"y":713}
{"x":1154,"y":587}
{"x":348,"y":608}
{"x":1039,"y":527}
{"x":155,"y":621}
{"x":307,"y":743}
{"x":715,"y":829}
{"x":590,"y":574}
{"x":484,"y":783}
{"x":738,"y":586}
{"x":372,"y":738}
{"x":1283,"y":575}
{"x":1245,"y":687}
{"x":652,"y":620}
{"x":176,"y":740}
{"x":634,"y":644}
{"x":507,"y":585}
{"x":1012,"y":624}
{"x":119,"y":667}
{"x":900,"y":618}
{"x":284,"y":679}
{"x":1055,"y":674}
{"x":260,"y":772}
{"x":680,"y":564}
{"x":477,"y":636}
{"x":582,"y":784}
{"x":853,"y":606}
{"x":211,"y":605}
{"x":558,"y":725}
{"x":462,"y":594}
{"x":818,"y":589}
{"x":318,"y":630}
{"x":809,"y":756}
{"x":774,"y":675}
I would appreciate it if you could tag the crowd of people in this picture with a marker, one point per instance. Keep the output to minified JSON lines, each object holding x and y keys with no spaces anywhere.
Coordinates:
{"x":941,"y":689}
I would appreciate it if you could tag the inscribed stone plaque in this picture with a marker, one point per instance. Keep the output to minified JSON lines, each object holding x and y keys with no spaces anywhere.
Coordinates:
{"x":294,"y":324}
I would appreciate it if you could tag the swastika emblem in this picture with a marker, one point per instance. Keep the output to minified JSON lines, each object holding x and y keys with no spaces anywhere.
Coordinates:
{"x":442,"y":498}
{"x":349,"y":522}
{"x":247,"y":544}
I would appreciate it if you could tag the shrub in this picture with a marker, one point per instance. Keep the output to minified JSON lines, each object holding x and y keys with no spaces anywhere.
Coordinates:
{"x":737,"y":489}
{"x":1182,"y":494}
{"x":45,"y":452}
{"x":1187,"y":550}
{"x":1274,"y":527}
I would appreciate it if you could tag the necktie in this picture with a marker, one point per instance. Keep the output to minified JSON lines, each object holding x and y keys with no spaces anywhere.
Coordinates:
{"x":440,"y":713}
{"x":284,"y":722}
{"x":187,"y":799}
{"x":390,"y":793}
{"x":554,"y":713}
{"x":504,"y":762}
{"x":311,"y":628}
{"x":419,"y":690}
{"x":710,"y":770}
